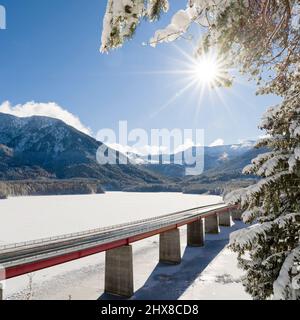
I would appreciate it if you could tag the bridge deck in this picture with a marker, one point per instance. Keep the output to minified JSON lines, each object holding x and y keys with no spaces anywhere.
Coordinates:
{"x":22,"y":258}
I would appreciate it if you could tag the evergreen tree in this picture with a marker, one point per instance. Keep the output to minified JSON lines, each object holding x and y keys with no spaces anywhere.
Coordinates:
{"x":260,"y":38}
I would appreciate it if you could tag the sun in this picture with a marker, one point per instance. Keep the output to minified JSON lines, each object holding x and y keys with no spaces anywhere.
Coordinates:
{"x":202,"y":74}
{"x":207,"y":70}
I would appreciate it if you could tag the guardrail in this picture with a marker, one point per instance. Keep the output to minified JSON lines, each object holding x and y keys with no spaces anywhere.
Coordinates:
{"x":96,"y":230}
{"x":145,"y":229}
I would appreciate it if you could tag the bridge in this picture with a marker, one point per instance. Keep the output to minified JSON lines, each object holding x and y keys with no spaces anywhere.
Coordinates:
{"x":21,"y":258}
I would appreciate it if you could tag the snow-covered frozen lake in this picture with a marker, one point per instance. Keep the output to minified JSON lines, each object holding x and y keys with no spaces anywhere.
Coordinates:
{"x":28,"y":218}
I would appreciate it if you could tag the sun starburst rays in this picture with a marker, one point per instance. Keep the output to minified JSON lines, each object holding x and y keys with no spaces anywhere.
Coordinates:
{"x":203,"y":76}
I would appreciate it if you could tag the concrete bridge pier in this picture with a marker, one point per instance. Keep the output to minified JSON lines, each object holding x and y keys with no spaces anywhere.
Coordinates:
{"x":169,"y":247}
{"x":225,"y":219}
{"x":212,"y":224}
{"x":119,"y":271}
{"x":196,"y":233}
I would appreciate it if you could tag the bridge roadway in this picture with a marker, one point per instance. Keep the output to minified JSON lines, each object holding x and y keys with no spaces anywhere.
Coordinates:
{"x":21,"y":258}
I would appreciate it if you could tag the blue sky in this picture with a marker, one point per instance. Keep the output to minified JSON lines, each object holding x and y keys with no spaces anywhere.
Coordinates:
{"x":50,"y":53}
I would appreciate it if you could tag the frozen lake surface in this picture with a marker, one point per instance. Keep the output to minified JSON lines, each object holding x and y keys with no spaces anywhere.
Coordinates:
{"x":28,"y":218}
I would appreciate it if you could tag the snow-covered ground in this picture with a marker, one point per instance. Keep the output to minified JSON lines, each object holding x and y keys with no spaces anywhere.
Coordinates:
{"x":205,"y":273}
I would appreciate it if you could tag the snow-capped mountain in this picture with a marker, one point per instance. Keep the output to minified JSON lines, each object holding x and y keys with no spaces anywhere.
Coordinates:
{"x":42,"y":148}
{"x":213,"y":157}
{"x":37,"y":146}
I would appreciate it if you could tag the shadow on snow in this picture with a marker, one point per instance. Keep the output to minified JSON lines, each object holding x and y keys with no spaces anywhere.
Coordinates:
{"x":169,"y":282}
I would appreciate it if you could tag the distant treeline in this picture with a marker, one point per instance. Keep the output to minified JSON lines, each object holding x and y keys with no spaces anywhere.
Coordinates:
{"x":48,"y":187}
{"x":90,"y":186}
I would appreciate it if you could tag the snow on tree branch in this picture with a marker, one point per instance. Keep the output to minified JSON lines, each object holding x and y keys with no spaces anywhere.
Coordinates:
{"x":156,"y":7}
{"x":287,"y":285}
{"x":120,"y":21}
{"x":123,"y":16}
{"x":246,"y":238}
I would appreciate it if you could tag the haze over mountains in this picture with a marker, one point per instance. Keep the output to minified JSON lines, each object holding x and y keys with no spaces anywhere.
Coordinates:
{"x":45,"y":149}
{"x":213,"y":157}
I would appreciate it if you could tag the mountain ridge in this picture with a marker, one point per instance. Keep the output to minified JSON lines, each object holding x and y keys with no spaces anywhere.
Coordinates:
{"x":43,"y":147}
{"x":35,"y":150}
